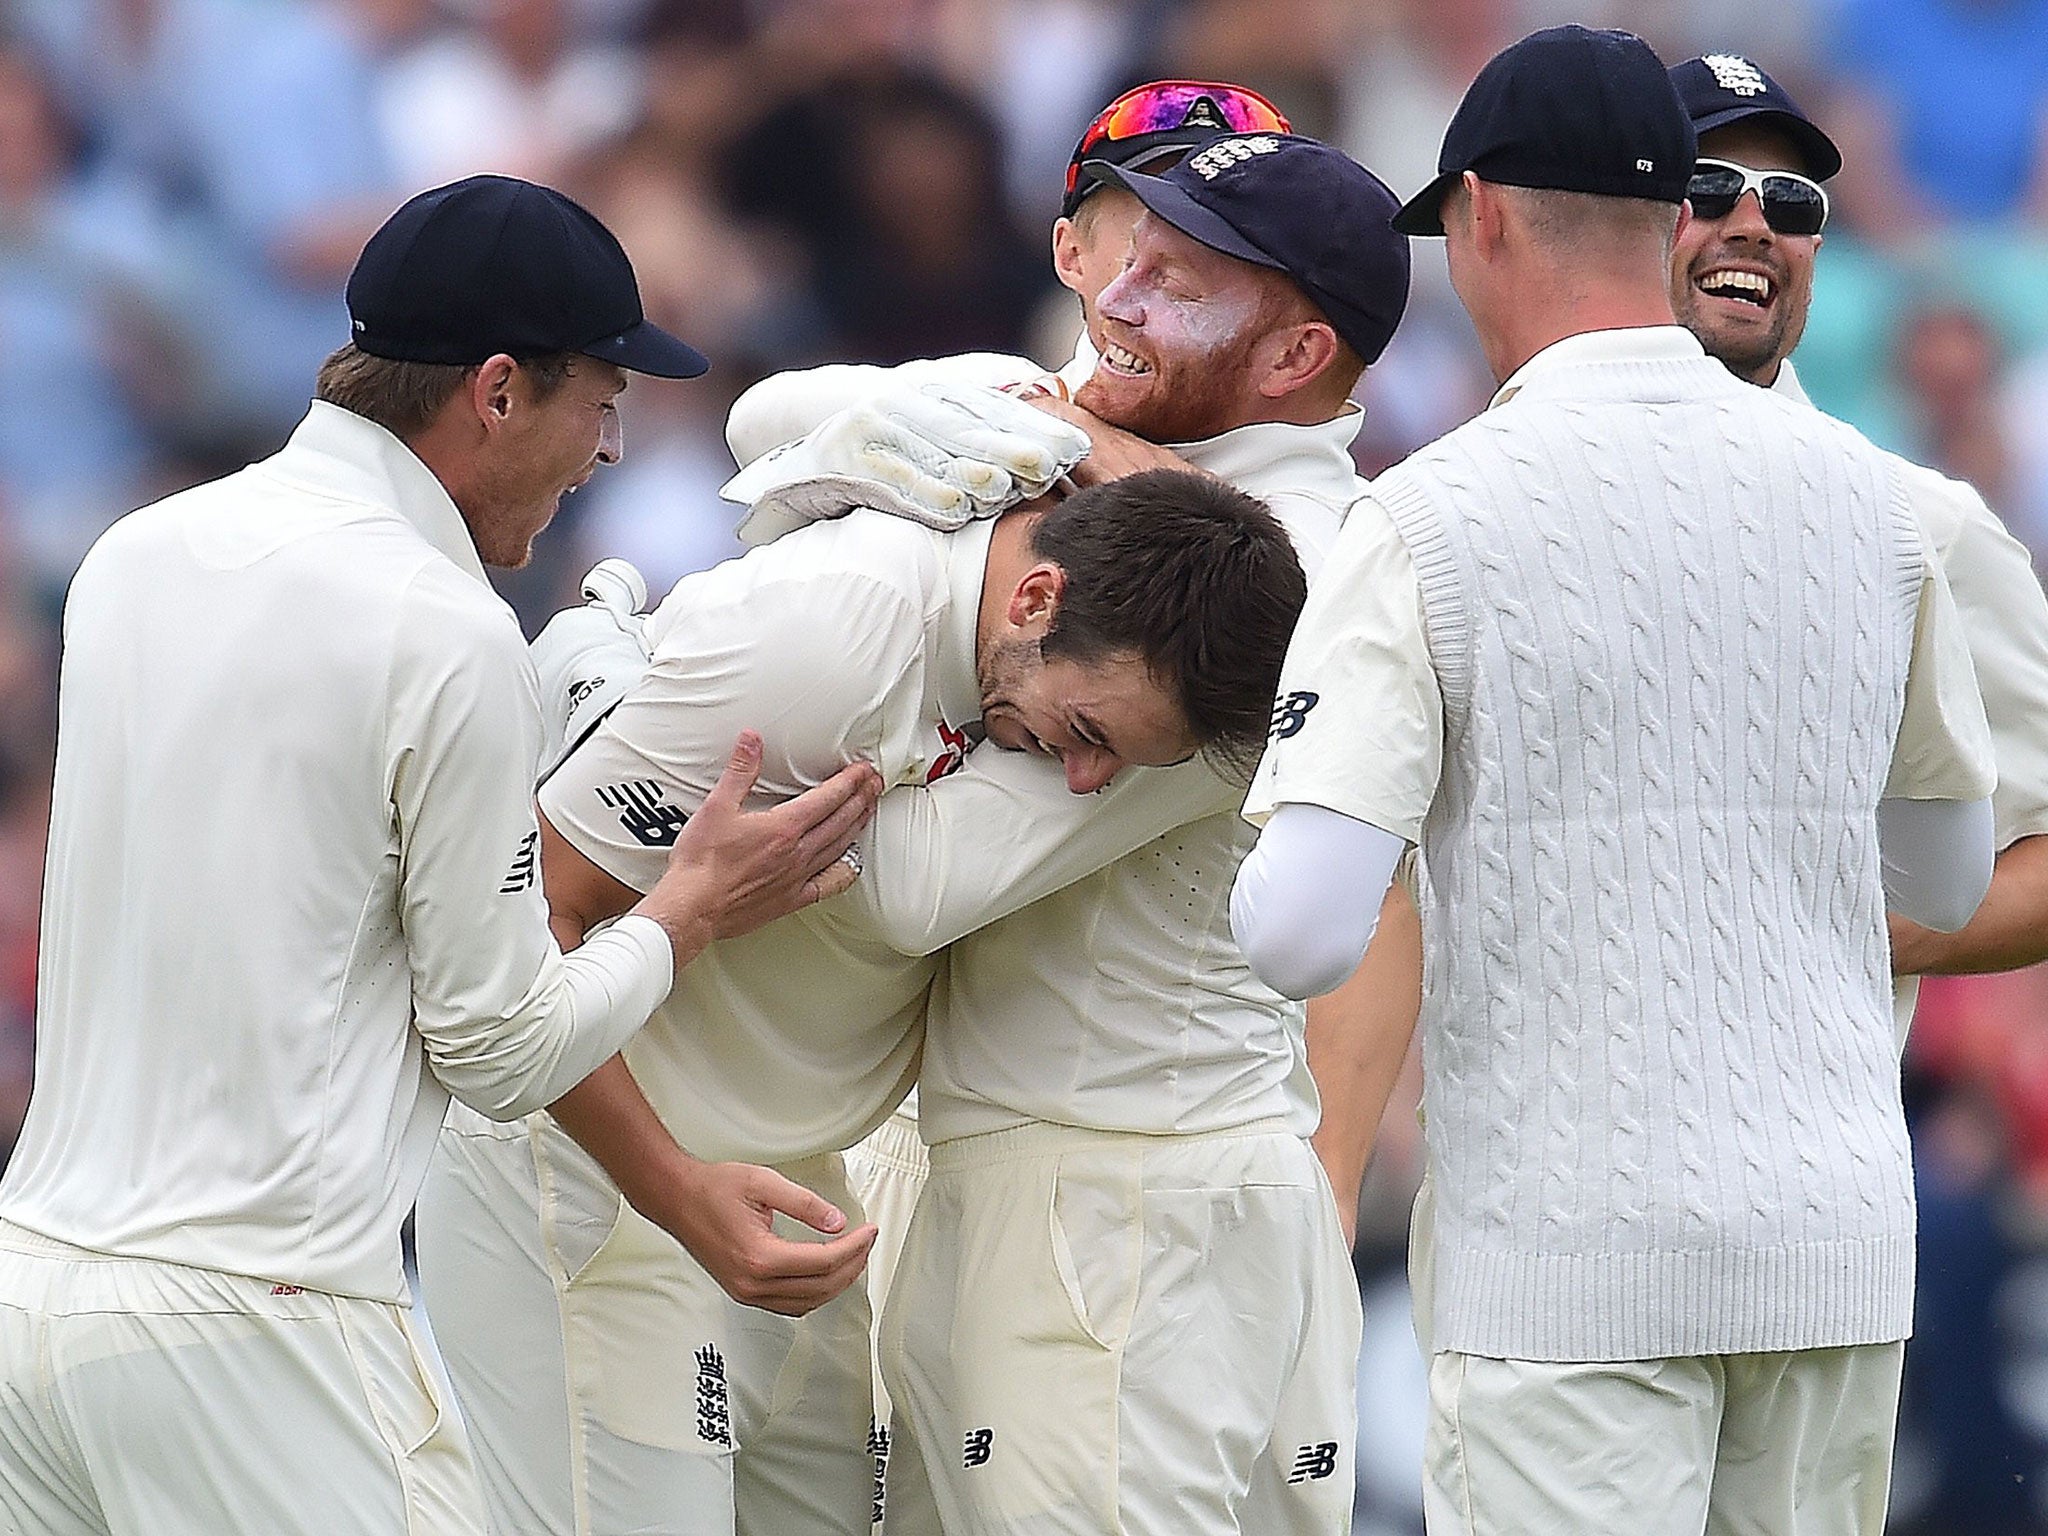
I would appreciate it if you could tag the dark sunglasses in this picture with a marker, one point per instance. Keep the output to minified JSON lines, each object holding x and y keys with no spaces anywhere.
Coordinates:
{"x":1792,"y":204}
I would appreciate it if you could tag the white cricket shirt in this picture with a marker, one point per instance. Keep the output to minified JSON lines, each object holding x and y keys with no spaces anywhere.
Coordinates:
{"x":292,"y":900}
{"x":1121,"y":1002}
{"x":2005,"y":622}
{"x":843,"y":641}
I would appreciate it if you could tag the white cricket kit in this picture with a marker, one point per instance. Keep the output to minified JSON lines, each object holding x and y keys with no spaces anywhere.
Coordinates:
{"x":850,"y":639}
{"x":2005,"y":621}
{"x":1105,"y":1054}
{"x":1669,"y":679}
{"x":291,"y":906}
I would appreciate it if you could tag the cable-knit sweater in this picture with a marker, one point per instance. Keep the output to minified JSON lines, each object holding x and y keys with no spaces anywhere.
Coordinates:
{"x":1671,"y":617}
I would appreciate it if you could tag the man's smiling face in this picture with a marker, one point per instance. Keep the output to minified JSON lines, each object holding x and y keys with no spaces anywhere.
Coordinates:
{"x":1737,"y":284}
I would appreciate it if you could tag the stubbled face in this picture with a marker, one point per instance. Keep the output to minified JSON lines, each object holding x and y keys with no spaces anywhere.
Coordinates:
{"x":1177,"y":330}
{"x":1737,"y":284}
{"x":544,"y":449}
{"x":1095,"y":717}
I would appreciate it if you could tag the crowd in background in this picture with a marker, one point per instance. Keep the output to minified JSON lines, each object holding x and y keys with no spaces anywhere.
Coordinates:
{"x":185,"y":183}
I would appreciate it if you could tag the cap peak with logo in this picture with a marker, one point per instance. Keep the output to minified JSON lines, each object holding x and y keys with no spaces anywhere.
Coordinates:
{"x":1720,"y":90}
{"x":493,"y":264}
{"x":1297,"y":206}
{"x":1568,"y":109}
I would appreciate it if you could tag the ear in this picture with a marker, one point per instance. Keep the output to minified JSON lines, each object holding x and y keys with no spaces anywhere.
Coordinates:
{"x":1487,"y":211}
{"x":1298,"y":356}
{"x":491,"y":394}
{"x":1035,"y":601}
{"x":1066,"y":253}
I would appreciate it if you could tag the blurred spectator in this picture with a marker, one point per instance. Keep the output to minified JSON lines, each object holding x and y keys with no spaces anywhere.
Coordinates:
{"x":1940,"y":115}
{"x":519,"y":91}
{"x":890,"y":182}
{"x":27,"y":689}
{"x":1950,"y":366}
{"x":77,"y":340}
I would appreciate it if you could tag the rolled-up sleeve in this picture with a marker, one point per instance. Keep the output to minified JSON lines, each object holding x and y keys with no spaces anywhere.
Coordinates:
{"x":509,"y":1022}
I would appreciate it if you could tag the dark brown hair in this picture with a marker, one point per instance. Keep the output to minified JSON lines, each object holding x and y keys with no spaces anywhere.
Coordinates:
{"x":1194,"y":576}
{"x":403,"y":397}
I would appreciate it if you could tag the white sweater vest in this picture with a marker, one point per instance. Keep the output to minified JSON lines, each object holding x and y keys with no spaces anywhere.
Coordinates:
{"x":1672,"y":617}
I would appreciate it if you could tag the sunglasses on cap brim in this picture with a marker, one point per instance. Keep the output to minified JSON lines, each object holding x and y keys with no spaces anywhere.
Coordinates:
{"x":1792,"y":204}
{"x":1172,"y":106}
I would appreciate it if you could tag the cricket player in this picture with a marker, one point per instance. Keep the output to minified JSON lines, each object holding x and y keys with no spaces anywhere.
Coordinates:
{"x":608,"y":1382}
{"x":1741,"y":281}
{"x":293,"y":906}
{"x":1657,"y":670}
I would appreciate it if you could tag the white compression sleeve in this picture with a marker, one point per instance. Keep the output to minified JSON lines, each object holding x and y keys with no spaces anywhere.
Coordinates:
{"x":1308,"y":897}
{"x":1937,"y":857}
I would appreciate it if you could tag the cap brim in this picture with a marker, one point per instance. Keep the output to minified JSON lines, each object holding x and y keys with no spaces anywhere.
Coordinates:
{"x":1174,"y":205}
{"x":647,"y":348}
{"x":1423,"y":214}
{"x":1822,"y":158}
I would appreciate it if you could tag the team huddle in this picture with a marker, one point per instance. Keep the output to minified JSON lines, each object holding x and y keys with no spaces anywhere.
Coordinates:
{"x":865,"y":1085}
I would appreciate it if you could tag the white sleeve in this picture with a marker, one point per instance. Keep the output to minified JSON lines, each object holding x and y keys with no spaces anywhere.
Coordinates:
{"x":947,"y":858}
{"x":509,"y":1023}
{"x":1937,"y":857}
{"x":1358,"y":725}
{"x":2005,"y":623}
{"x":785,"y":406}
{"x":1944,"y":750}
{"x":1308,"y":897}
{"x":816,"y":666}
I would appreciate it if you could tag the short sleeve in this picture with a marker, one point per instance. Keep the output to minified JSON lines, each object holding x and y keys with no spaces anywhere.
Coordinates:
{"x":2004,"y":616}
{"x":1358,"y":724}
{"x":1944,"y":747}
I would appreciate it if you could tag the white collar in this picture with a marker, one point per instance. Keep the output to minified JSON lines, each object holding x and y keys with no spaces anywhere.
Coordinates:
{"x":959,"y":679}
{"x":1313,"y":457}
{"x":1787,"y":384}
{"x":1631,"y":344}
{"x":350,"y":457}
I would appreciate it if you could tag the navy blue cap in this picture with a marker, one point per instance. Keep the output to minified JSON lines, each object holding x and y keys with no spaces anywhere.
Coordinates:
{"x":1300,"y":207}
{"x":1568,"y":109}
{"x":493,"y":264}
{"x":1724,"y":88}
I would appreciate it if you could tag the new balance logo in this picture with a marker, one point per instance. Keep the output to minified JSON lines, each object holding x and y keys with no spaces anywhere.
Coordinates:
{"x":520,"y":876}
{"x":1312,"y":1463}
{"x":714,"y":1405}
{"x":980,"y":1443}
{"x":653,"y":822}
{"x":1290,"y":714}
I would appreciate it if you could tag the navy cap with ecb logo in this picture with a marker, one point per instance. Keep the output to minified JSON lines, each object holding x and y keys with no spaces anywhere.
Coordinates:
{"x":1722,"y":89}
{"x":1300,"y":207}
{"x":494,"y":264}
{"x":1567,"y":109}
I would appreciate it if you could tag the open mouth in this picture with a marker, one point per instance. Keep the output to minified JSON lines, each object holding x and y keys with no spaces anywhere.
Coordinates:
{"x":1123,"y":362}
{"x":1744,"y":287}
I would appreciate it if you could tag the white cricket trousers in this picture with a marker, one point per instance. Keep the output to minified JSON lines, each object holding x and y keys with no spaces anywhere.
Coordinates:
{"x":1093,"y":1332}
{"x":140,"y":1398}
{"x":887,"y":1173}
{"x":1796,"y":1443}
{"x":1790,"y":1444}
{"x":610,"y":1387}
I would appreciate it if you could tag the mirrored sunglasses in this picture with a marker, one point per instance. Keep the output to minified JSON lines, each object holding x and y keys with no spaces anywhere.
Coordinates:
{"x":1792,"y":204}
{"x":1168,"y":106}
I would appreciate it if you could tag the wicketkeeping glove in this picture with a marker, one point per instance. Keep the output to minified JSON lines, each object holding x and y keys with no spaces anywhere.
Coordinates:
{"x":588,"y":657}
{"x":941,"y":454}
